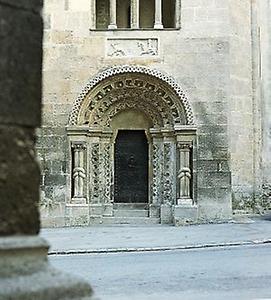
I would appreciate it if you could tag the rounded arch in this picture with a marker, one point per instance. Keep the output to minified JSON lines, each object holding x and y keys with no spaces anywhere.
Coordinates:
{"x":177,"y":102}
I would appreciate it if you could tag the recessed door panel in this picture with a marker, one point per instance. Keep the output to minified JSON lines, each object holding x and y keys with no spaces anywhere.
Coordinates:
{"x":131,"y":167}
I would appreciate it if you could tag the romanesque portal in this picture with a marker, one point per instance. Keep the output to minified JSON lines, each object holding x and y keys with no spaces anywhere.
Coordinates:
{"x":131,"y":137}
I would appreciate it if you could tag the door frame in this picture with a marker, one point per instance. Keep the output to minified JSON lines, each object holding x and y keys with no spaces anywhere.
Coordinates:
{"x":149,"y":142}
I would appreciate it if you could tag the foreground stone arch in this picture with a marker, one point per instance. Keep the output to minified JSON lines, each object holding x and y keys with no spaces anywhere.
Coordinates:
{"x":131,"y":99}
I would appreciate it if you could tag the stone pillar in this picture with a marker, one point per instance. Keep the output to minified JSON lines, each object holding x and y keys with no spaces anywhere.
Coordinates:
{"x":24,"y":269}
{"x":78,"y":173}
{"x":158,"y":24}
{"x":169,"y":175}
{"x":157,"y":173}
{"x":112,"y":14}
{"x":178,"y":13}
{"x":135,"y":14}
{"x":93,"y":14}
{"x":184,"y":173}
{"x":107,"y":172}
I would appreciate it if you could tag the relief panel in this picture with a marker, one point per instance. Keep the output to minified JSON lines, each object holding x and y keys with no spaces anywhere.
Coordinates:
{"x":132,"y":47}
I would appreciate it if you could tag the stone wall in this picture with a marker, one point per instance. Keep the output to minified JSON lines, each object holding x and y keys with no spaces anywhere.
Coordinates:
{"x":241,"y":103}
{"x":210,"y":57}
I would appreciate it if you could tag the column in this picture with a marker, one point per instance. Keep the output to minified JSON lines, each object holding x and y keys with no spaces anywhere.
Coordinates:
{"x":135,"y":14}
{"x":78,"y":173}
{"x":106,"y":172}
{"x":92,"y":15}
{"x":184,"y":173}
{"x":24,"y":269}
{"x":178,"y":13}
{"x":157,"y":172}
{"x":112,"y":14}
{"x":158,"y":24}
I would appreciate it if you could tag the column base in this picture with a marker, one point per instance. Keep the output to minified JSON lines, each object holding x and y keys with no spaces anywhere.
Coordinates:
{"x":78,"y":200}
{"x":166,"y":214}
{"x":154,"y":211}
{"x":25,"y":273}
{"x":185,"y":214}
{"x":77,"y":215}
{"x":186,"y":201}
{"x":108,"y":210}
{"x":158,"y":26}
{"x":112,"y":26}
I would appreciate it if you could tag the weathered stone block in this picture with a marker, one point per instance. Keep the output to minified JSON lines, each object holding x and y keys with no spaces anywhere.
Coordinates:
{"x":166,"y":214}
{"x":20,"y":61}
{"x":185,"y":215}
{"x":19,"y":182}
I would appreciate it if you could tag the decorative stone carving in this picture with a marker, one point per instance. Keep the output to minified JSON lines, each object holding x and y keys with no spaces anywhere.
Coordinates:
{"x":157,"y":163}
{"x":143,"y":94}
{"x":78,"y":172}
{"x":131,"y":47}
{"x":95,"y":171}
{"x":105,"y":120}
{"x":184,"y":173}
{"x":107,"y":165}
{"x":117,"y":70}
{"x":168,"y":174}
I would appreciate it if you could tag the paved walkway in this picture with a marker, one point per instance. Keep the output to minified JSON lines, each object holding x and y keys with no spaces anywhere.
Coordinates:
{"x":125,"y":238}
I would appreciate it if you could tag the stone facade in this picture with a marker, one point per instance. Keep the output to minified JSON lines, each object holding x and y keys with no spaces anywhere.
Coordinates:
{"x":194,"y":89}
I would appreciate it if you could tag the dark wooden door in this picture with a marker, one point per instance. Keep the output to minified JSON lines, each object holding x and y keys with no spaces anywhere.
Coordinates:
{"x":131,"y":167}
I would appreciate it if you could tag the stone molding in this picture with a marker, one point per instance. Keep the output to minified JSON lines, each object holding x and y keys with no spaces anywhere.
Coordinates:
{"x":117,"y":70}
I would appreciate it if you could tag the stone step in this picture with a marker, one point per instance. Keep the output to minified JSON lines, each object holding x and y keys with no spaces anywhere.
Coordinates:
{"x":130,"y":220}
{"x":131,"y":206}
{"x":130,"y":213}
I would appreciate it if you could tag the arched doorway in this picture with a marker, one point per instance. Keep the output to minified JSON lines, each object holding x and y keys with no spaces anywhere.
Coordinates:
{"x":133,"y":122}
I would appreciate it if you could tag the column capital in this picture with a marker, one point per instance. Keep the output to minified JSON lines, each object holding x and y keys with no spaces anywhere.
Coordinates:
{"x":184,"y":145}
{"x":78,"y":145}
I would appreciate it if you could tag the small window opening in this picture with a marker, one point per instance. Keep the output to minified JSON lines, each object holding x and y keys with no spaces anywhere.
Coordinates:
{"x":146,"y":15}
{"x":102,"y":14}
{"x":169,"y":18}
{"x":123,"y":14}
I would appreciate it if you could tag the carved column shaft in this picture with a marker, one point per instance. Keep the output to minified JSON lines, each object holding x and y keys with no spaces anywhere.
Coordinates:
{"x":79,"y":173}
{"x":135,"y":14}
{"x":157,"y":162}
{"x":112,"y":14}
{"x":95,"y":189}
{"x":169,"y":174}
{"x":158,"y":24}
{"x":184,"y":174}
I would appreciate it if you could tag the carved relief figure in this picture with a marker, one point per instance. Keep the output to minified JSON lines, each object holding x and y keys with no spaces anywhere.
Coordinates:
{"x":148,"y":48}
{"x":116,"y":50}
{"x":79,"y":173}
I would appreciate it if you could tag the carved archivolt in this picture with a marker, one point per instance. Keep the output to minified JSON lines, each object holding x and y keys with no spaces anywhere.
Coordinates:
{"x":122,"y":87}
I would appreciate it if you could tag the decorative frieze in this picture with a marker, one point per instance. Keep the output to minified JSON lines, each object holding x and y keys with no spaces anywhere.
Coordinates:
{"x":117,"y":70}
{"x":131,"y":47}
{"x":133,"y":92}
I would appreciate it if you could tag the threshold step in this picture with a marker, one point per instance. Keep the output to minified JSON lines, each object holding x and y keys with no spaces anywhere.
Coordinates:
{"x":130,"y":213}
{"x":130,"y":220}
